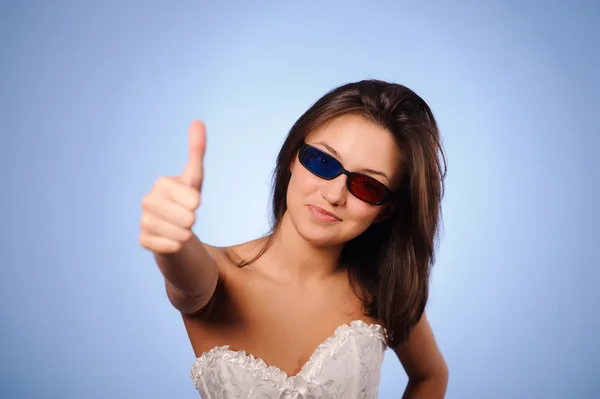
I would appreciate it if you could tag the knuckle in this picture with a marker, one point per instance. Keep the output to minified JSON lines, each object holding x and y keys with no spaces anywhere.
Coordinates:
{"x":162,"y":184}
{"x":145,"y":242}
{"x":175,"y":246}
{"x":159,"y":182}
{"x":147,"y":221}
{"x":191,"y":197}
{"x":187,"y":235}
{"x":147,"y":202}
{"x":197,"y":200}
{"x":190,"y":219}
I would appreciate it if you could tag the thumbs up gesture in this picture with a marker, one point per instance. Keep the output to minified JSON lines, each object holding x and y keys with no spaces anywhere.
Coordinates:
{"x":194,"y":170}
{"x":168,"y":210}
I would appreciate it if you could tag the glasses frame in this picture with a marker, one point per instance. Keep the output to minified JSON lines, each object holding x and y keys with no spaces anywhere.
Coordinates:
{"x":387,"y":196}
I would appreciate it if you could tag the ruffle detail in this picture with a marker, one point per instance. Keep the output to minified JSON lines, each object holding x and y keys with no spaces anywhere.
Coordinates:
{"x":257,"y":366}
{"x":274,"y":375}
{"x":332,"y":344}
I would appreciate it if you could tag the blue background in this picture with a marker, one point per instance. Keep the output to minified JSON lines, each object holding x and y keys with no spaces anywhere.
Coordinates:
{"x":96,"y":101}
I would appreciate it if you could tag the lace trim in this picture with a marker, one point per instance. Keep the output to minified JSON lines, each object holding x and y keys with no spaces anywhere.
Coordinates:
{"x":332,"y":344}
{"x":275,"y":375}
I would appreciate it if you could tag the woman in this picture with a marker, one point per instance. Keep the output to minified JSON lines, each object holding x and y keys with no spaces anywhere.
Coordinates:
{"x":308,"y":311}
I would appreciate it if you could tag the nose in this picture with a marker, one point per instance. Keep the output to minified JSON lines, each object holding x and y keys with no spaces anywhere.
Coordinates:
{"x":335,"y":191}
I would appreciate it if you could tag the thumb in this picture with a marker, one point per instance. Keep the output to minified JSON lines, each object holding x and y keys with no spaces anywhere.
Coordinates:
{"x":193,"y":173}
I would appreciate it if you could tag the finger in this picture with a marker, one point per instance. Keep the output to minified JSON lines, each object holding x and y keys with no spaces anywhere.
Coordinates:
{"x":155,"y":226}
{"x":170,"y":212}
{"x":194,"y":170}
{"x":174,"y":190}
{"x":160,"y":245}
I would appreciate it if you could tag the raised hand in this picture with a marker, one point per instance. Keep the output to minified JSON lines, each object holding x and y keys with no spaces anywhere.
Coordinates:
{"x":168,"y":210}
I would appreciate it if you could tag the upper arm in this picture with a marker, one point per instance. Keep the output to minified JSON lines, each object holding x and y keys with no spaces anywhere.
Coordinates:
{"x":420,"y":355}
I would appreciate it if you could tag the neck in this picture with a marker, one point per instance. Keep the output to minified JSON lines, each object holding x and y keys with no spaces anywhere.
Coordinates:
{"x":292,"y":258}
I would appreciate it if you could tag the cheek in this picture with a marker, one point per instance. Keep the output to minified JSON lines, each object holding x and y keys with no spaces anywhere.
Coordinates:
{"x":302,"y":183}
{"x":363,"y":214}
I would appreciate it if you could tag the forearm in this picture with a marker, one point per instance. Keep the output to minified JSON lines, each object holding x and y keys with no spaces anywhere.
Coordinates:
{"x":191,"y":271}
{"x":429,"y":388}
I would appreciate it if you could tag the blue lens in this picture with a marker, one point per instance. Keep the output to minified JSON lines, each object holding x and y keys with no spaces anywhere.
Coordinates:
{"x":321,"y":164}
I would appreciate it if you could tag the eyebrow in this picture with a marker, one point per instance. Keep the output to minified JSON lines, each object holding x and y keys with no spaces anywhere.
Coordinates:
{"x":365,"y":170}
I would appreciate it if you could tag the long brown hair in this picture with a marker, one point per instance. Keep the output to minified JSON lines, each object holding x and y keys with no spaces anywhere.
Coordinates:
{"x":391,"y":260}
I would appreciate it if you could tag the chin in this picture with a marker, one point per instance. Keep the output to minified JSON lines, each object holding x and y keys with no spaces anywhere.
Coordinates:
{"x":319,"y":238}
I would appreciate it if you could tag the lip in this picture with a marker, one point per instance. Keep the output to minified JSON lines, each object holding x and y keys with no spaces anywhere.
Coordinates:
{"x":323,"y":214}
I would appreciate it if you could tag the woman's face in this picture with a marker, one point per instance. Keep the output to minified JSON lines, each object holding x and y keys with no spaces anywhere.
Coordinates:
{"x":360,"y":146}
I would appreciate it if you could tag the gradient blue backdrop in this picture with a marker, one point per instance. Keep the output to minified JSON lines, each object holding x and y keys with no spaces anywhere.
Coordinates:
{"x":96,"y":101}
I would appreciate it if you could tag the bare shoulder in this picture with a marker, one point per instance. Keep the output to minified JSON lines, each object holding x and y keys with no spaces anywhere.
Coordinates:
{"x":228,"y":260}
{"x":205,"y":328}
{"x":246,"y":251}
{"x":219,"y":254}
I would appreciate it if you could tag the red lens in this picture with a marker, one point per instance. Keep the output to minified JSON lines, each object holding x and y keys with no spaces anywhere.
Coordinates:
{"x":366,"y":188}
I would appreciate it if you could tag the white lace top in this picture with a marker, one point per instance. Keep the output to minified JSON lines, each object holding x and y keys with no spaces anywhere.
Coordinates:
{"x":346,"y":365}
